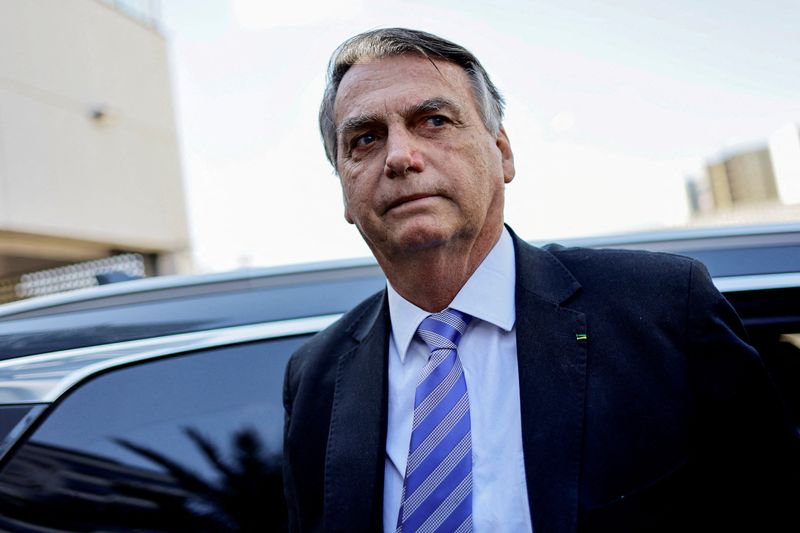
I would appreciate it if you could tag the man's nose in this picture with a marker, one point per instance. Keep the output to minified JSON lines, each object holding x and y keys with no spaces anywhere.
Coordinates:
{"x":402,"y":154}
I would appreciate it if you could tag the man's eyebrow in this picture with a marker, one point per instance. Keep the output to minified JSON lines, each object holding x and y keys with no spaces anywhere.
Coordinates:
{"x":357,"y":123}
{"x":432,"y":105}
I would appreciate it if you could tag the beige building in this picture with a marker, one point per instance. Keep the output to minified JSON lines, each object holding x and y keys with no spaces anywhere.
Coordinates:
{"x":748,"y":187}
{"x":89,"y":160}
{"x":743,"y":178}
{"x":736,"y":180}
{"x":762,"y":182}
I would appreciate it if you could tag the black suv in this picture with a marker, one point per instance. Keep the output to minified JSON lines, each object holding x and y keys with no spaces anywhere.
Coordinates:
{"x":155,"y":405}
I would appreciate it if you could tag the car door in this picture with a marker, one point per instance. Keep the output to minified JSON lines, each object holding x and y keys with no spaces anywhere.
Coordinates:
{"x":189,"y":442}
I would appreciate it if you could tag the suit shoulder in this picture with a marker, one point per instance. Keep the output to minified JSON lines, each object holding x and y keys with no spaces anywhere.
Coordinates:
{"x":635,"y":277}
{"x":623,"y":262}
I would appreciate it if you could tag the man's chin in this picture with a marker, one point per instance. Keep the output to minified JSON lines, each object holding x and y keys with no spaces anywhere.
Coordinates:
{"x":421,"y":238}
{"x":411,"y":237}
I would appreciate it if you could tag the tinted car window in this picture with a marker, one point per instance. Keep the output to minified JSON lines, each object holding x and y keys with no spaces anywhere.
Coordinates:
{"x":772,"y":319}
{"x":188,"y":443}
{"x":780,"y":351}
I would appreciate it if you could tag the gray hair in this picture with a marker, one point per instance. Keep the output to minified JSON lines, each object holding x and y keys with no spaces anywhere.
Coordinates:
{"x":389,"y":42}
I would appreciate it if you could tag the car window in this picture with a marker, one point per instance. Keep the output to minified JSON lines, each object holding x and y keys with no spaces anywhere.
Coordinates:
{"x":780,"y":351}
{"x":772,"y":319}
{"x":187,"y":443}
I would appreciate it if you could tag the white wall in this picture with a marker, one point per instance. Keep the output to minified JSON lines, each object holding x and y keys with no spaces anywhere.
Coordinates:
{"x":784,"y":147}
{"x":63,"y":173}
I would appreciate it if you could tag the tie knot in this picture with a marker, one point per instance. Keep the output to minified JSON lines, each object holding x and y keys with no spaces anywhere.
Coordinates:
{"x":444,"y":329}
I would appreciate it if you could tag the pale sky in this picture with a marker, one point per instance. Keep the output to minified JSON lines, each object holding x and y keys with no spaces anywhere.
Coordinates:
{"x":610,"y":105}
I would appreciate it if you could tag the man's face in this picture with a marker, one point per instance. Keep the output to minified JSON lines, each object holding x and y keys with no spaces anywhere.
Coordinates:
{"x":418,"y":167}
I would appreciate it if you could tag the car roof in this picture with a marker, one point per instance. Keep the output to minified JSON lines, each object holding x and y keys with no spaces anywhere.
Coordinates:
{"x":167,"y":286}
{"x":711,"y":243}
{"x":738,"y":256}
{"x":151,"y":308}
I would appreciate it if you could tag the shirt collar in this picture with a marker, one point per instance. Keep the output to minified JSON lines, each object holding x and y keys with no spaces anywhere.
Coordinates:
{"x":487,"y":295}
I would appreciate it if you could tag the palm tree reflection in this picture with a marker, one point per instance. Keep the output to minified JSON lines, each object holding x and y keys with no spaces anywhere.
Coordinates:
{"x":247,"y":494}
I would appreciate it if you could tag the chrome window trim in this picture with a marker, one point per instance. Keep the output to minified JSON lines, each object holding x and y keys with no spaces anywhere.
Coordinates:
{"x":22,"y":426}
{"x":43,"y":378}
{"x":757,"y":282}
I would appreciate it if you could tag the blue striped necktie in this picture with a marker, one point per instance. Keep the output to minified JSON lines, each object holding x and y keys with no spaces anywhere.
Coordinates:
{"x":437,"y":490}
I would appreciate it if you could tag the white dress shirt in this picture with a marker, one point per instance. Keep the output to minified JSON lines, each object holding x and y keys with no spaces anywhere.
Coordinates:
{"x":488,"y":353}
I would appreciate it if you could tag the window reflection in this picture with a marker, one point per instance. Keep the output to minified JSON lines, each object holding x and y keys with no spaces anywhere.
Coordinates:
{"x":189,"y":443}
{"x":83,"y":491}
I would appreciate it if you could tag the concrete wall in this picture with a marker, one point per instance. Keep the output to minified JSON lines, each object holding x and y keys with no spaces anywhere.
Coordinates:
{"x":88,"y":148}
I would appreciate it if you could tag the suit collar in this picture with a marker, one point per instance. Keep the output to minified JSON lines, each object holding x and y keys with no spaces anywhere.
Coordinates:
{"x":552,"y":374}
{"x":371,"y":319}
{"x":541,"y":274}
{"x":487,"y":295}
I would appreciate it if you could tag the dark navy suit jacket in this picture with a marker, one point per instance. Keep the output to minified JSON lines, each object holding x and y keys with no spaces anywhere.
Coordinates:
{"x":642,"y":407}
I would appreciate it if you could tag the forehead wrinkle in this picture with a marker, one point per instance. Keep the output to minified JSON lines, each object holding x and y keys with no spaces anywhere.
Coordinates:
{"x":454,"y":81}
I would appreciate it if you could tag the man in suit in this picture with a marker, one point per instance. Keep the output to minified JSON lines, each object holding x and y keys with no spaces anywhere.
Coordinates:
{"x":577,"y":390}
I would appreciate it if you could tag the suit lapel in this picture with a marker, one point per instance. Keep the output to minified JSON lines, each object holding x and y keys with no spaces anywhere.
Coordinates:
{"x":356,"y":442}
{"x":552,"y":374}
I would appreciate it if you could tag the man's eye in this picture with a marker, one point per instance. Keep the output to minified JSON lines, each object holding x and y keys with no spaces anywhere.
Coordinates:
{"x":437,"y":121}
{"x":364,"y":140}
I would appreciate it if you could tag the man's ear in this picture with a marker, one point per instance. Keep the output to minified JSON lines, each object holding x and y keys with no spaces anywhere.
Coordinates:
{"x":507,"y":155}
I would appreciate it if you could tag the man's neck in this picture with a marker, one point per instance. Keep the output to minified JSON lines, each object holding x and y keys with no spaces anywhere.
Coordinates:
{"x":431,"y":278}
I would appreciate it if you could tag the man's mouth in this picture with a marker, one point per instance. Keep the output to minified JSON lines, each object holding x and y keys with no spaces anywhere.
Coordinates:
{"x":403,"y":200}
